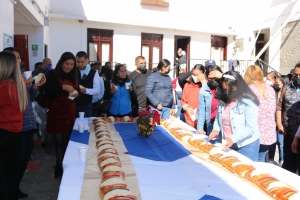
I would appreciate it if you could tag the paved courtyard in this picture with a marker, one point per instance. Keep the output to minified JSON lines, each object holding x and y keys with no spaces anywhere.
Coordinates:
{"x":41,"y":184}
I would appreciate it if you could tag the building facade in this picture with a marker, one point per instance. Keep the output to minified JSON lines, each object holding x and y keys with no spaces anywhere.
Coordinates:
{"x":120,"y":30}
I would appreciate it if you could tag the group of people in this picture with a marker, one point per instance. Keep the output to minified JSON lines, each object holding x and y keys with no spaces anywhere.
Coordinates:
{"x":251,"y":114}
{"x":225,"y":106}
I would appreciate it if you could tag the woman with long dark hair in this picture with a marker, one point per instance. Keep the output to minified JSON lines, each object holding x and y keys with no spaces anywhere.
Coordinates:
{"x":60,"y":89}
{"x":280,"y":83}
{"x":123,"y":97}
{"x":208,"y":103}
{"x":237,"y":116}
{"x":190,"y":94}
{"x":159,"y":90}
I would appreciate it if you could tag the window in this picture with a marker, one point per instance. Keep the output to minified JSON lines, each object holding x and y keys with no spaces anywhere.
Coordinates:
{"x":100,"y":45}
{"x":218,"y":48}
{"x":151,"y":48}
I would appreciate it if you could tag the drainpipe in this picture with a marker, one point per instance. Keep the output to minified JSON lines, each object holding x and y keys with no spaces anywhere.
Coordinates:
{"x":280,"y":29}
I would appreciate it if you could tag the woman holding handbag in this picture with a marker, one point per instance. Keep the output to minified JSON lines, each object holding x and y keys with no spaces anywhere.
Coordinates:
{"x":123,"y":99}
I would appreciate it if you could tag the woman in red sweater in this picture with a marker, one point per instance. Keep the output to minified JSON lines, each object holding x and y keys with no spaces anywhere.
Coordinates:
{"x":190,"y":95}
{"x":12,"y":105}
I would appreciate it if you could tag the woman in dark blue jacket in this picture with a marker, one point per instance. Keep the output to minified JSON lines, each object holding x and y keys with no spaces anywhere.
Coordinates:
{"x":123,"y":98}
{"x":159,"y":90}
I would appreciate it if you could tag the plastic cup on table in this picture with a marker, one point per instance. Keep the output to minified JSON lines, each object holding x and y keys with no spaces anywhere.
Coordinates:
{"x":27,"y":74}
{"x":81,"y":127}
{"x":82,"y":153}
{"x":81,"y":115}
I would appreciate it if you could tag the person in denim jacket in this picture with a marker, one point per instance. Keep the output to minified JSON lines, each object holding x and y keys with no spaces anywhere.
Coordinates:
{"x":237,"y":116}
{"x":208,"y":103}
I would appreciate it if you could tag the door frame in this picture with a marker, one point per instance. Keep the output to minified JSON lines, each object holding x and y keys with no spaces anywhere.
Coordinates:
{"x":100,"y":39}
{"x":224,"y":46}
{"x":187,"y":50}
{"x":151,"y":44}
{"x":24,"y":52}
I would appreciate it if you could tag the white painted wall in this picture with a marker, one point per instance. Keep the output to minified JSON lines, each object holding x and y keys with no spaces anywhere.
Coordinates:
{"x":70,"y":35}
{"x":198,"y":19}
{"x":6,"y":19}
{"x":212,"y":16}
{"x":34,"y":11}
{"x":35,"y":36}
{"x":274,"y":16}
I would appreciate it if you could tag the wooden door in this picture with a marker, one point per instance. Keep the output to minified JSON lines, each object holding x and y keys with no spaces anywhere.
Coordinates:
{"x":100,"y":45}
{"x":151,"y":48}
{"x":184,"y":44}
{"x":218,"y":48}
{"x":21,"y":43}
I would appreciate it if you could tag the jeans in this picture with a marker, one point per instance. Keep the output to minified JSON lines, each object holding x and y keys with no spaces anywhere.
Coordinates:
{"x":164,"y":113}
{"x":87,"y":109}
{"x":209,"y":129}
{"x":263,"y":149}
{"x":251,"y":150}
{"x":272,"y":148}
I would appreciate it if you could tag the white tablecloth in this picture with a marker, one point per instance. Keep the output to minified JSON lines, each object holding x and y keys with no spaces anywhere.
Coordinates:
{"x":183,"y":179}
{"x":71,"y":183}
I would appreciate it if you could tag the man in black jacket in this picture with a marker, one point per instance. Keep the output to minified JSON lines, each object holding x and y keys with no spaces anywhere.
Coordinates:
{"x":89,"y":84}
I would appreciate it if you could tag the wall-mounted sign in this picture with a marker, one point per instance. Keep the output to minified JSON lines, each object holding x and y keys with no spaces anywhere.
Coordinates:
{"x":7,"y":40}
{"x":34,"y":49}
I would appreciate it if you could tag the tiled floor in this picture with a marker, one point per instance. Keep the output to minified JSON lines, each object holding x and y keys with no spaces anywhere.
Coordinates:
{"x":41,"y":184}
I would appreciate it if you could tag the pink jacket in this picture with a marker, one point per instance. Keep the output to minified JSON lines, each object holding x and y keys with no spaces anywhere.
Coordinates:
{"x":266,"y":115}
